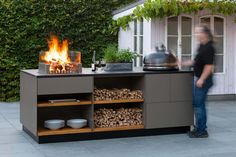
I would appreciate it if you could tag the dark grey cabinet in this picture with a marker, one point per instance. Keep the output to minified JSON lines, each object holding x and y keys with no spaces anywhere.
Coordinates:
{"x":168,"y":100}
{"x":181,"y":87}
{"x":65,"y":85}
{"x":157,"y":88}
{"x":167,"y":114}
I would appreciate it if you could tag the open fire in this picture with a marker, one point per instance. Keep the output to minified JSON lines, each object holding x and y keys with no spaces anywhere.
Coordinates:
{"x":58,"y":59}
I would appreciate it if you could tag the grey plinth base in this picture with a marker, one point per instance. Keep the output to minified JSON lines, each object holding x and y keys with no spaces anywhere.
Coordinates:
{"x":108,"y":135}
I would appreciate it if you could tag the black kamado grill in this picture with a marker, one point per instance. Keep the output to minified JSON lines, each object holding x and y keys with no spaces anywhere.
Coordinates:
{"x":160,"y":60}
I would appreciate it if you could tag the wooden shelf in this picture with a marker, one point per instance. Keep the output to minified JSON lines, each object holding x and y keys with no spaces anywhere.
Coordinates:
{"x":46,"y":132}
{"x":47,"y":104}
{"x":118,"y":101}
{"x":119,"y":128}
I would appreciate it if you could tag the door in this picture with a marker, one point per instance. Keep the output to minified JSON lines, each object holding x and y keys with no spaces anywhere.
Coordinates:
{"x":217,"y":26}
{"x":180,"y":36}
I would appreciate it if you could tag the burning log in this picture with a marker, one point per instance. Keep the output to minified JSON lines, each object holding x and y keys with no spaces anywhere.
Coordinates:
{"x":104,"y":118}
{"x":116,"y":94}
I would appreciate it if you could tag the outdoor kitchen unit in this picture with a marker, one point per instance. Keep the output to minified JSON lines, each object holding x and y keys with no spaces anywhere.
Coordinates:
{"x":61,"y":101}
{"x":114,"y":104}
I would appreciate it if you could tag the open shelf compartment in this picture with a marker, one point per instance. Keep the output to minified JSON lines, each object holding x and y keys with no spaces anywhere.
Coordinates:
{"x":66,"y":100}
{"x":64,"y":113}
{"x":121,"y":128}
{"x":46,"y":132}
{"x":119,"y":101}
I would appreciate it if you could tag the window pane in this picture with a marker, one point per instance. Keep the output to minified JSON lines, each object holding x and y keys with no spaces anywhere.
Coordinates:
{"x":172,"y":44}
{"x":135,"y":27}
{"x":186,"y":45}
{"x":141,"y":27}
{"x":172,"y":26}
{"x":135,"y":62}
{"x":219,"y":62}
{"x":141,"y":61}
{"x":206,"y":21}
{"x":135,"y":44}
{"x":219,"y":45}
{"x":186,"y":26}
{"x":185,"y":58}
{"x":141,"y":45}
{"x":219,"y":26}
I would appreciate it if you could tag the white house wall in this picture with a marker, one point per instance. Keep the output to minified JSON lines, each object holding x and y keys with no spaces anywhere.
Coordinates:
{"x":234,"y":52}
{"x":155,"y":32}
{"x":147,"y":32}
{"x":224,"y":83}
{"x":125,"y":39}
{"x":230,"y":71}
{"x":124,"y":13}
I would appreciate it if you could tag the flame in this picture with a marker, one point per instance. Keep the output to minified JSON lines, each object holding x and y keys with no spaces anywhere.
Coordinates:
{"x":57,"y":52}
{"x":57,"y":55}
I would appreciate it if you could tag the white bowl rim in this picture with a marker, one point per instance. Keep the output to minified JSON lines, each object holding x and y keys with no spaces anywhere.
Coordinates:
{"x":76,"y":120}
{"x":54,"y":121}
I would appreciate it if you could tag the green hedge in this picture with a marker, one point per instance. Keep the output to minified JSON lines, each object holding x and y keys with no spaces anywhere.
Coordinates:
{"x":25,"y":26}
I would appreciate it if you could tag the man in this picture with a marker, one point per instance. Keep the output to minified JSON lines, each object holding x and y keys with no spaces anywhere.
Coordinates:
{"x":203,"y":79}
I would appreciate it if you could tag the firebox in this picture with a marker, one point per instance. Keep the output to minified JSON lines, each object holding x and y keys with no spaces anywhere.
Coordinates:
{"x":58,"y":59}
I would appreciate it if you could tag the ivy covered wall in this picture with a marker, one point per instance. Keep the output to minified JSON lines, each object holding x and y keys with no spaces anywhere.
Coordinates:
{"x":25,"y":26}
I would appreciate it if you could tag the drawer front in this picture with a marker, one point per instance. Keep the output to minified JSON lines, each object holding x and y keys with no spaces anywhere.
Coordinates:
{"x":157,"y":88}
{"x":181,"y":87}
{"x":65,"y":85}
{"x":164,"y":115}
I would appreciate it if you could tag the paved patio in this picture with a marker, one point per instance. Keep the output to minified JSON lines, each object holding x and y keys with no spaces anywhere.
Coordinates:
{"x":221,"y":143}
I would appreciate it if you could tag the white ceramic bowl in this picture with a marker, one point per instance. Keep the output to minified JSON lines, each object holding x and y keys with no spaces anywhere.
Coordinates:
{"x":54,"y":124}
{"x":76,"y":123}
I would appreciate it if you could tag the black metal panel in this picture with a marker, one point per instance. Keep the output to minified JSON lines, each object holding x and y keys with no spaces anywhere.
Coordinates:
{"x":113,"y":134}
{"x":36,"y":138}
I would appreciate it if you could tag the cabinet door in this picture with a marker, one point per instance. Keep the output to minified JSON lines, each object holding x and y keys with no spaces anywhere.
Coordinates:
{"x":157,"y":88}
{"x":164,"y":115}
{"x":65,"y":85}
{"x":181,"y":87}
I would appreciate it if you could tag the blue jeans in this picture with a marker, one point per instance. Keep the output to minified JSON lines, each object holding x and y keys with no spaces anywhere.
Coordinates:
{"x":199,"y":99}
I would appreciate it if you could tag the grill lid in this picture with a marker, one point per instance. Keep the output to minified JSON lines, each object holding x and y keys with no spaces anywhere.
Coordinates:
{"x":159,"y":60}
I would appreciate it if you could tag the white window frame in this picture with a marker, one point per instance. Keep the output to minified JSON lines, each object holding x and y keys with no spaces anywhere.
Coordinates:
{"x":224,"y":36}
{"x":138,"y":60}
{"x":179,"y":35}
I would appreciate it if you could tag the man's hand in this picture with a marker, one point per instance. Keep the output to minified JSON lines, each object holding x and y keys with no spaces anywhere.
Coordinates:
{"x":187,"y":63}
{"x":207,"y":71}
{"x":199,"y":83}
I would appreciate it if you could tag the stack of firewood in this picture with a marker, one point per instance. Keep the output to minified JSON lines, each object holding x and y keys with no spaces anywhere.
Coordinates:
{"x":104,"y":118}
{"x":116,"y":94}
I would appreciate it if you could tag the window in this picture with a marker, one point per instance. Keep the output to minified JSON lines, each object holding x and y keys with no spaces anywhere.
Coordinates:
{"x":138,"y":42}
{"x":216,"y":24}
{"x":179,"y":36}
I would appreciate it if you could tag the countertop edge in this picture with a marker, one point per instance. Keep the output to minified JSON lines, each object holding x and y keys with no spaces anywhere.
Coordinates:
{"x":88,"y":72}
